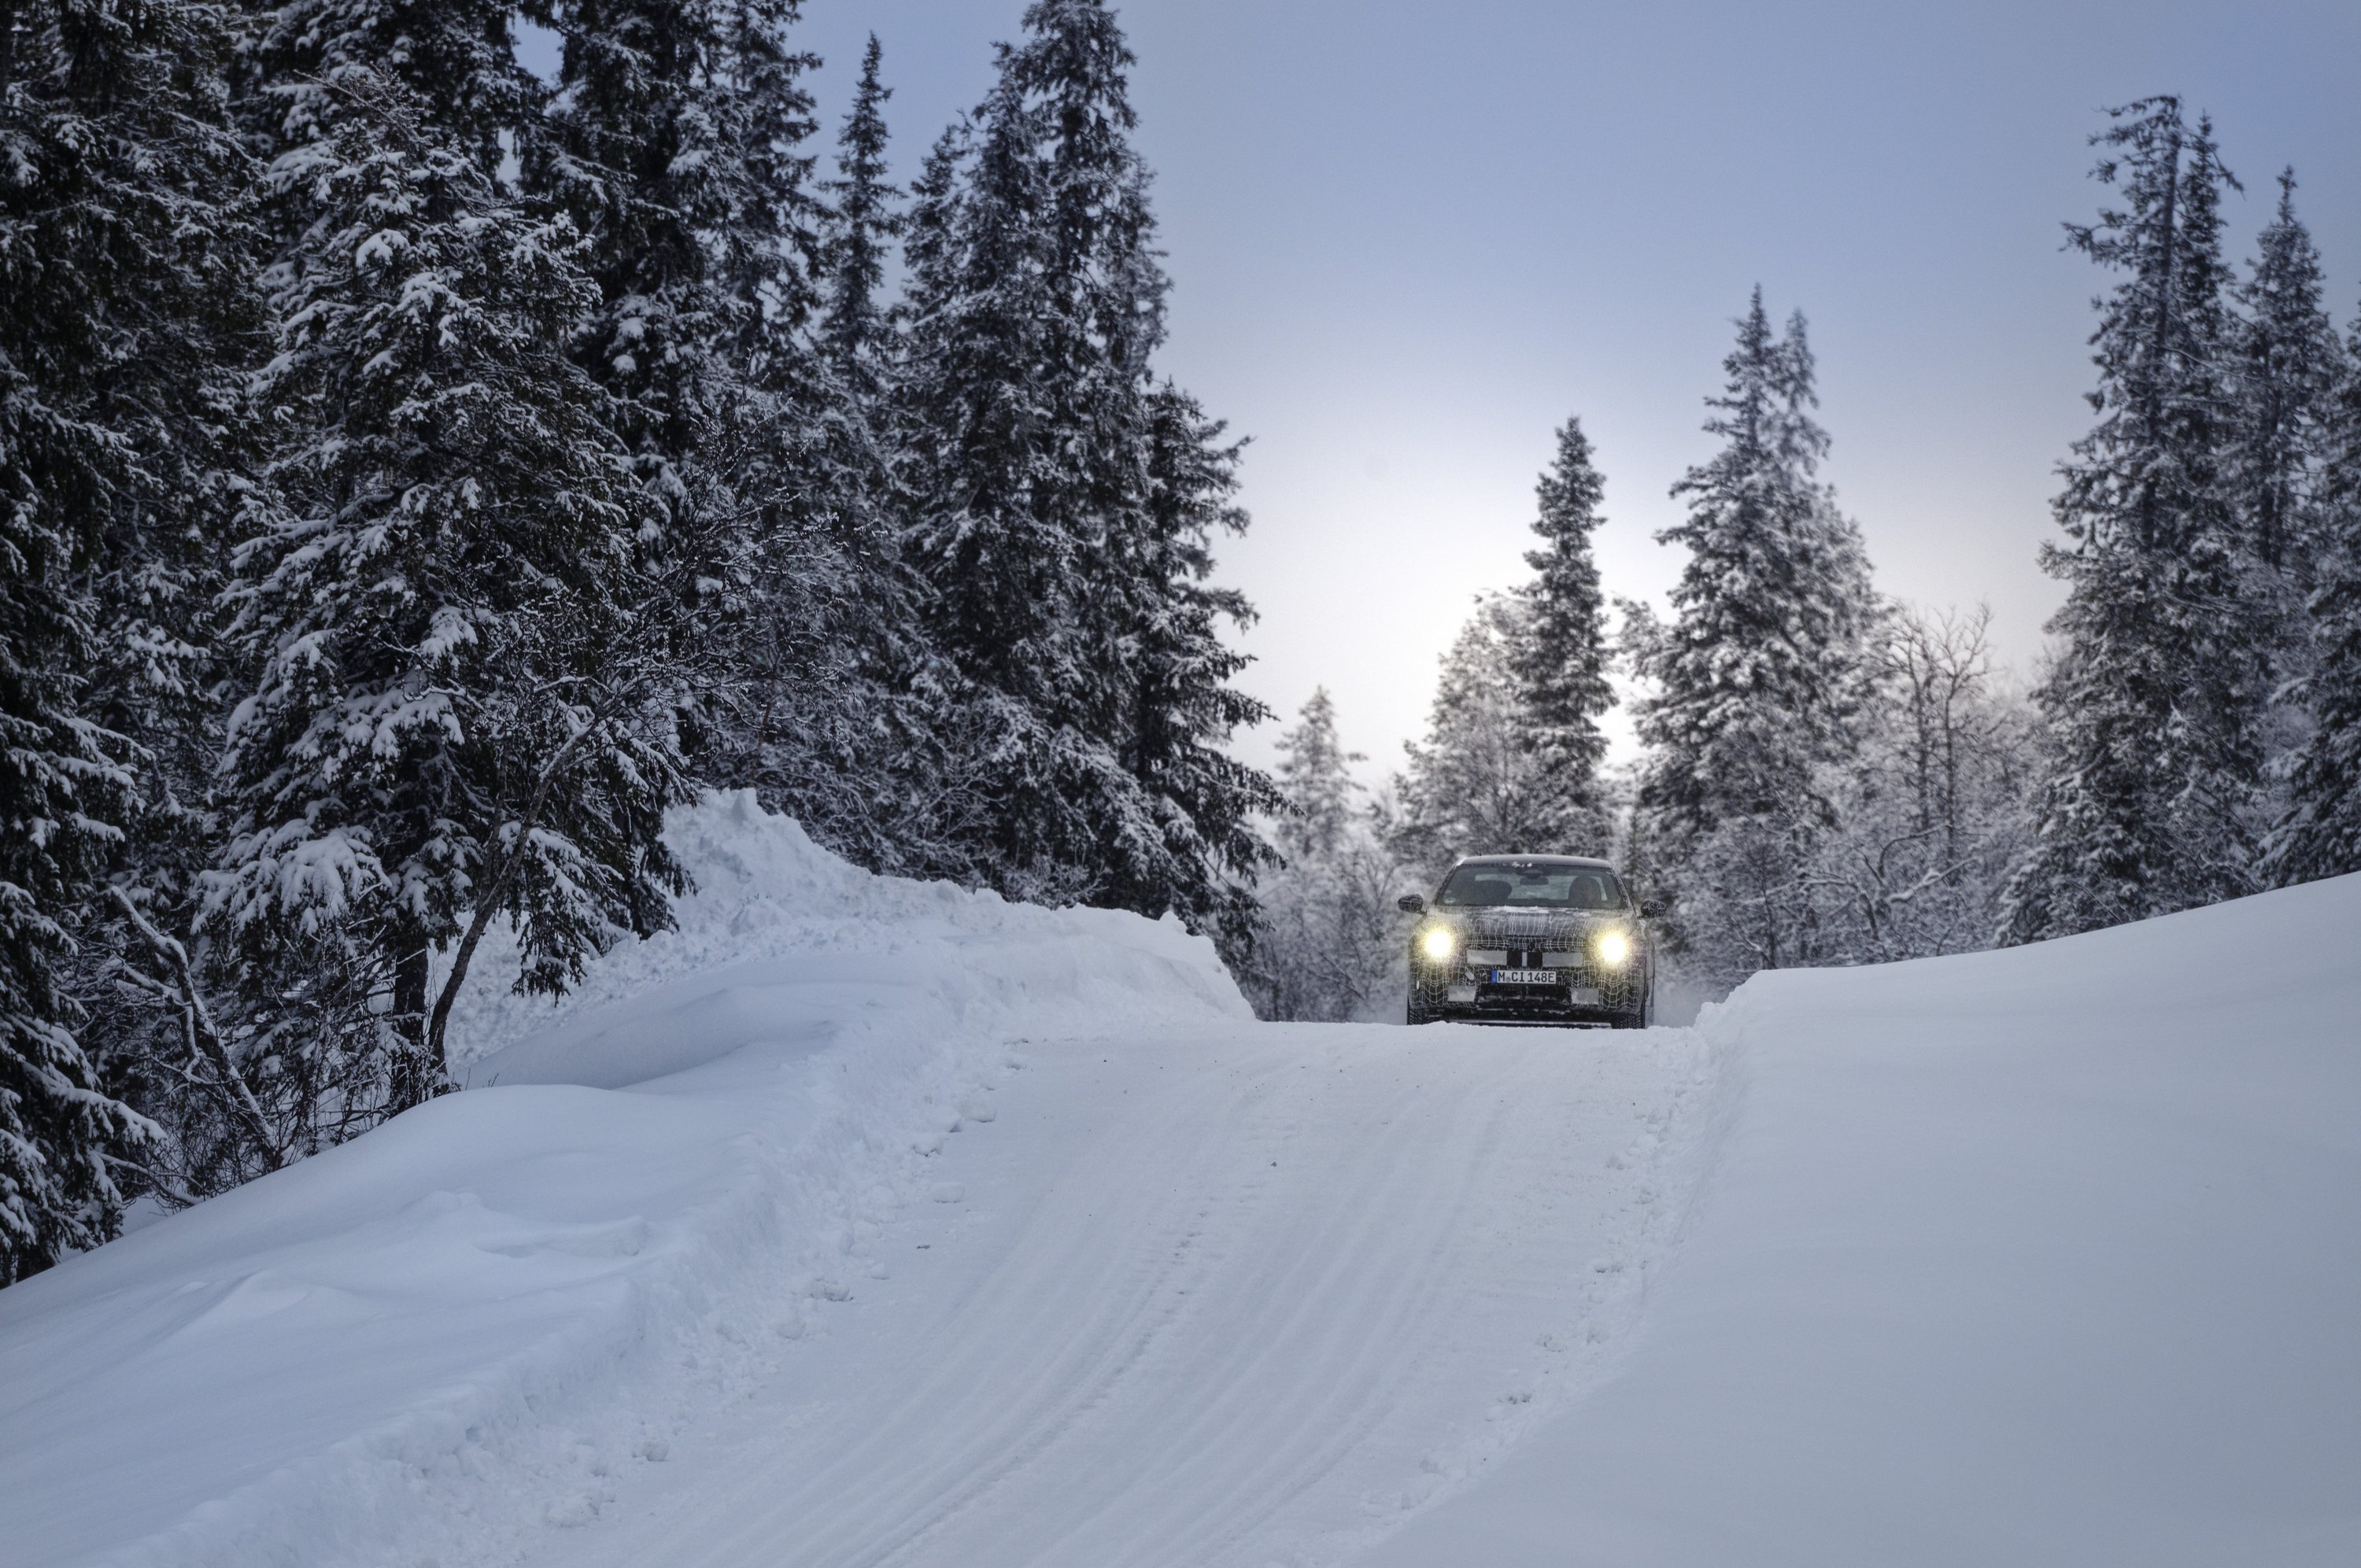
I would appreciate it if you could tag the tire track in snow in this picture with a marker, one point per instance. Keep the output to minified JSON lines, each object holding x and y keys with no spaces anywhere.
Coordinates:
{"x":1247,"y":1298}
{"x":1400,"y":1237}
{"x":1060,"y":1324}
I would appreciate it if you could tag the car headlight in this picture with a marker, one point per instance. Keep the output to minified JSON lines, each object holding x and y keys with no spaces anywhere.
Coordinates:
{"x":1439,"y":943}
{"x":1614,"y":949}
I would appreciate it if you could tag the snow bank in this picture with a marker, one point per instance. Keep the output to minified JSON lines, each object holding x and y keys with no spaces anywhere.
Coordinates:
{"x":489,"y":1305}
{"x":2050,"y":1255}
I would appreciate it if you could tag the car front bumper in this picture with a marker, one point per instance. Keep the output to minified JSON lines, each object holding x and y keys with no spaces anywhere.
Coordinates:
{"x":1579,"y":996}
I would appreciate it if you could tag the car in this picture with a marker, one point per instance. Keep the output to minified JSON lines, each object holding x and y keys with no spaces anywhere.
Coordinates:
{"x":1532,"y":939}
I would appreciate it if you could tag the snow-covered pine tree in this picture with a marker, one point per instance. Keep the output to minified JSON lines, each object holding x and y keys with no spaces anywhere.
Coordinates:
{"x":61,"y":1137}
{"x":171,"y":327}
{"x":2320,"y":835}
{"x":1329,"y":947}
{"x":60,"y":786}
{"x":1005,"y":530}
{"x":121,"y":293}
{"x":829,"y":714}
{"x":2287,"y":363}
{"x":458,"y":61}
{"x":862,"y":222}
{"x":151,"y":994}
{"x":674,"y":143}
{"x":934,"y":810}
{"x":1202,"y":802}
{"x":2159,"y":696}
{"x":1031,"y":412}
{"x":627,"y":148}
{"x":1315,"y":776}
{"x":1561,"y":661}
{"x":1475,"y":786}
{"x":1758,"y":675}
{"x":756,"y":116}
{"x":677,"y":141}
{"x":454,"y":631}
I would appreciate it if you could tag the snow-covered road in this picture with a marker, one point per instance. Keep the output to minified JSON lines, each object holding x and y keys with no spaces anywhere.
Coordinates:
{"x":1233,"y":1295}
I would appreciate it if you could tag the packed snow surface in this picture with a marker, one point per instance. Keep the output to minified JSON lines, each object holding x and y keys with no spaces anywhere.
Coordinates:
{"x":868,"y":1221}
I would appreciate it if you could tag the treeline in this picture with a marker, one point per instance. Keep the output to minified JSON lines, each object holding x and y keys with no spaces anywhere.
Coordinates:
{"x":1830,"y":777}
{"x":416,"y":476}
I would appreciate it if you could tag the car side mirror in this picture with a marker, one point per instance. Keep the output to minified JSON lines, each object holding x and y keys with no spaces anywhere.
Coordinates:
{"x":1652,"y":909}
{"x":1410,"y":903}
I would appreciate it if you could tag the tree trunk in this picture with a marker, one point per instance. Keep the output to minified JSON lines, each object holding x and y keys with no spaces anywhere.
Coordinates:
{"x":417,"y":1073}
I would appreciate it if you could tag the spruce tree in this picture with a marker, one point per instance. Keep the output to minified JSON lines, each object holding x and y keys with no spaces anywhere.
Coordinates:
{"x":165,"y":351}
{"x":1314,"y":776}
{"x":2320,"y":834}
{"x":1033,"y":426}
{"x":2286,"y":363}
{"x":1057,"y":498}
{"x":2287,"y":360}
{"x":2156,"y":700}
{"x":1329,"y":946}
{"x":762,"y":116}
{"x":459,"y":60}
{"x":1200,"y":802}
{"x":1758,"y":675}
{"x":828,"y":714}
{"x":862,"y":222}
{"x":1560,"y":660}
{"x":1475,"y":786}
{"x":611,"y":152}
{"x":679,"y":142}
{"x":452,"y":628}
{"x":122,"y":287}
{"x":674,"y":142}
{"x":61,"y":783}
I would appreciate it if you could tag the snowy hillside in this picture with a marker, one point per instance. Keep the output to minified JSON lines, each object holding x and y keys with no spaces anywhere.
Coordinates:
{"x":865,"y":1222}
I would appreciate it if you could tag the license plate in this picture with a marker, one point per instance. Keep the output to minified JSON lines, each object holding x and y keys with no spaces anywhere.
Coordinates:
{"x":1524,"y":977}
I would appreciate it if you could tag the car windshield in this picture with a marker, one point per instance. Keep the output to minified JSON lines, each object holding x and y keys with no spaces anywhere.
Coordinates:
{"x":1536,"y":887}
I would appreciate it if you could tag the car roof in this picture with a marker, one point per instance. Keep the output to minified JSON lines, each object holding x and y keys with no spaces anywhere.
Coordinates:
{"x":1582,"y":860}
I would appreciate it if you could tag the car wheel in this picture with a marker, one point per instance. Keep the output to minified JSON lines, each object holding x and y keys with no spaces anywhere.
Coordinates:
{"x":1418,"y":1014}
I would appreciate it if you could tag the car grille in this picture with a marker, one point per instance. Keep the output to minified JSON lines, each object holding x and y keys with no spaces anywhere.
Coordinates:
{"x":1618,"y":990}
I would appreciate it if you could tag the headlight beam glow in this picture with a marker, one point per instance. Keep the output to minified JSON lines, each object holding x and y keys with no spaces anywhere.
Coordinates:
{"x":1439,"y":943}
{"x":1614,"y":949}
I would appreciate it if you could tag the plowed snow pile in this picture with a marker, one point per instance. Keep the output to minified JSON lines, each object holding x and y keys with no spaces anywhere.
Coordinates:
{"x":2045,"y":1256}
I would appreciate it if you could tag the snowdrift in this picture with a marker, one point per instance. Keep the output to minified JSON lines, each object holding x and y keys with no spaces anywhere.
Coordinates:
{"x":2050,"y":1255}
{"x":460,"y":1315}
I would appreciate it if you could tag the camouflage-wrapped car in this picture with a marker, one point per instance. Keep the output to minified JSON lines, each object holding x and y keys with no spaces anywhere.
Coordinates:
{"x":1532,"y":938}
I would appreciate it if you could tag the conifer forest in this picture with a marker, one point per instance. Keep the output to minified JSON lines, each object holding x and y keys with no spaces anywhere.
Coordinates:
{"x":417,"y":478}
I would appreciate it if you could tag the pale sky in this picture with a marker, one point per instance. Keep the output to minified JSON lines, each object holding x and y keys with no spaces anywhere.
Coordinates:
{"x":1409,"y":240}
